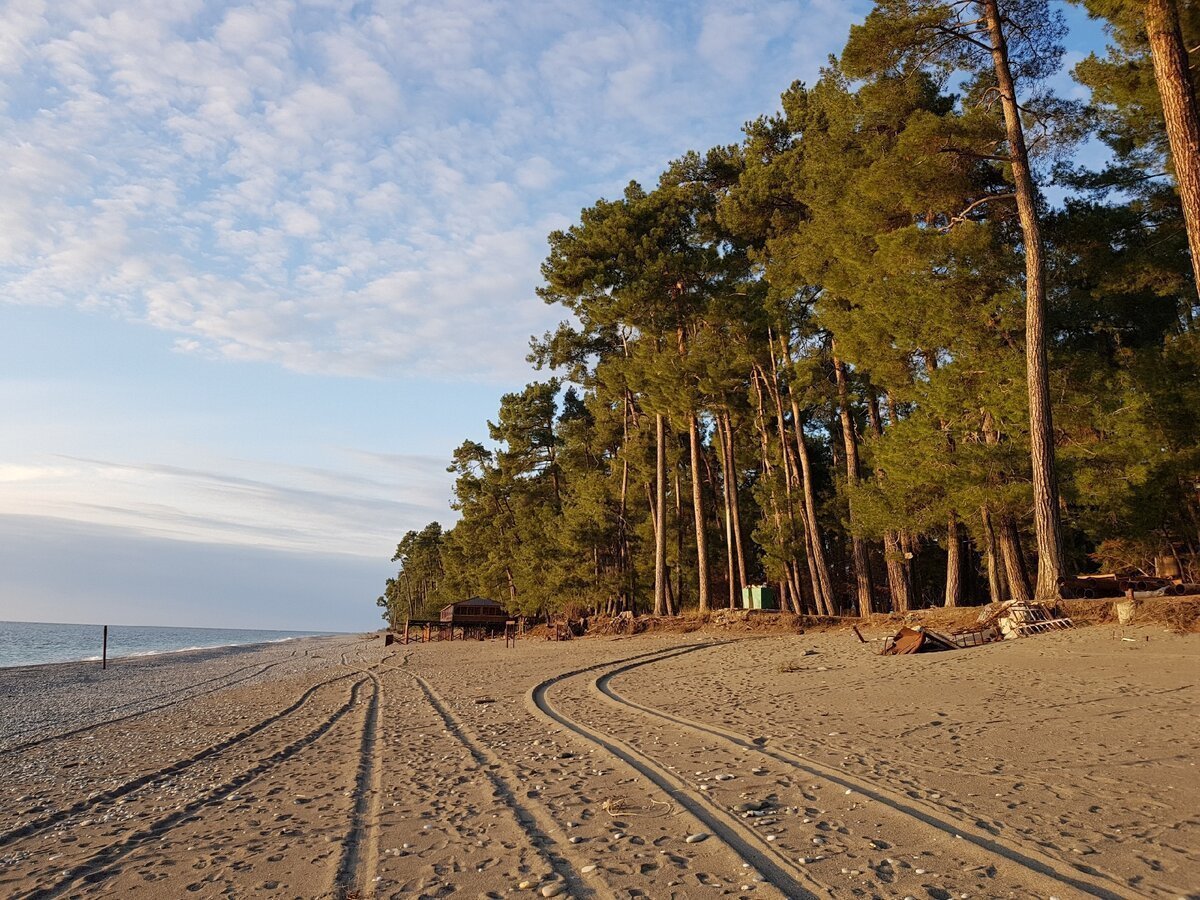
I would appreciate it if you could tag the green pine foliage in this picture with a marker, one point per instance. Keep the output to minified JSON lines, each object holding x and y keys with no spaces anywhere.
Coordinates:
{"x":866,"y":228}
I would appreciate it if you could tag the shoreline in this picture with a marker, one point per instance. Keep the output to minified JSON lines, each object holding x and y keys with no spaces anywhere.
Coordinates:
{"x":150,"y":654}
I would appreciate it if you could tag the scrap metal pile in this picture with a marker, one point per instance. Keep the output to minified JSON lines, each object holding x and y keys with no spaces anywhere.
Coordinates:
{"x":997,"y":621}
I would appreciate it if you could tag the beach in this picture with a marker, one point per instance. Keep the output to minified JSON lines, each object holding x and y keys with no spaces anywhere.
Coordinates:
{"x":712,"y":763}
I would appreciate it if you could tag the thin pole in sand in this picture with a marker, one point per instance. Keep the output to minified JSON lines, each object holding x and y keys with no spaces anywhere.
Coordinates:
{"x":104,"y":651}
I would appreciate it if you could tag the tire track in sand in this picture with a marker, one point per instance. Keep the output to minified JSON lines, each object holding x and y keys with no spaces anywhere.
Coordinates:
{"x":92,"y":726}
{"x":360,"y":854}
{"x":1093,"y":883}
{"x":32,"y":827}
{"x":93,"y":869}
{"x":738,"y":837}
{"x":544,"y":834}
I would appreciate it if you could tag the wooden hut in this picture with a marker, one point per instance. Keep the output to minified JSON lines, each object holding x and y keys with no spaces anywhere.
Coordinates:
{"x":475,"y":611}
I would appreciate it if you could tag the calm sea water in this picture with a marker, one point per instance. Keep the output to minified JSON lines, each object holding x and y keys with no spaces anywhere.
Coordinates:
{"x":30,"y":643}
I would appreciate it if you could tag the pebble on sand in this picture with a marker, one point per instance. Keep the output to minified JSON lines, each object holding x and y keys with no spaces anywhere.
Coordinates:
{"x":553,"y":889}
{"x":695,"y":838}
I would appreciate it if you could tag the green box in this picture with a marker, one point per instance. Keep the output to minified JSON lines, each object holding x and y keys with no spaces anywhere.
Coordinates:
{"x":759,"y":596}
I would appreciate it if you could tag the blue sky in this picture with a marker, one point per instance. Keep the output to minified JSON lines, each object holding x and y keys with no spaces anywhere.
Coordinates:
{"x":266,"y":264}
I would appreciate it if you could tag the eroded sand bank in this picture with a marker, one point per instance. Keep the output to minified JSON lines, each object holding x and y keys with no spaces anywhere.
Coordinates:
{"x":1062,"y":765}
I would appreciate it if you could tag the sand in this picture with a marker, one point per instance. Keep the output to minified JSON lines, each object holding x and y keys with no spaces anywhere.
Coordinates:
{"x":696,"y":765}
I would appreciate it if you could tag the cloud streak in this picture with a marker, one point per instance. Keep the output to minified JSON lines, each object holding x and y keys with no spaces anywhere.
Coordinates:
{"x":292,"y":508}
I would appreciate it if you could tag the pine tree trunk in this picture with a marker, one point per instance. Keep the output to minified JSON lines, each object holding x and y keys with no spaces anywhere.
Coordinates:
{"x":698,"y":507}
{"x":767,"y":470}
{"x":953,"y":562}
{"x":1015,"y":572}
{"x":790,"y":474}
{"x":893,"y":556}
{"x":996,"y":591}
{"x":1047,"y":526}
{"x":823,"y":584}
{"x":862,"y":563}
{"x":675,"y":603}
{"x":660,"y":523}
{"x":735,"y":504}
{"x":1180,"y":112}
{"x":726,"y":495}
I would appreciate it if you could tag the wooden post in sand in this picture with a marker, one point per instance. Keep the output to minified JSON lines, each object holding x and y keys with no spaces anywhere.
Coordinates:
{"x":104,"y":650}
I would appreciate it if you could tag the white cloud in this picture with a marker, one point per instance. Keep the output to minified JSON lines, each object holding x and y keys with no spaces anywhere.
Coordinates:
{"x":346,"y":189}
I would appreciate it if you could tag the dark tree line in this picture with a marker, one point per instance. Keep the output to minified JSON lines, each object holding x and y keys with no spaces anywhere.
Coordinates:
{"x":859,"y":355}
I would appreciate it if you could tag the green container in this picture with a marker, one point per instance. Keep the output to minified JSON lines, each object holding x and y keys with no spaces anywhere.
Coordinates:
{"x":759,"y":596}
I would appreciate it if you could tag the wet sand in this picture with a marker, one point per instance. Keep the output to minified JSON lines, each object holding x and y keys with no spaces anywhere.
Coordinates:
{"x":706,"y":764}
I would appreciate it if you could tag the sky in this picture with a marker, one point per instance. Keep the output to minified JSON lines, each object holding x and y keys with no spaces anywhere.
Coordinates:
{"x":264,"y":265}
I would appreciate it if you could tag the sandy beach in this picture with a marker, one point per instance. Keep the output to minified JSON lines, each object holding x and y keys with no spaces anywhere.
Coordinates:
{"x":703,"y":764}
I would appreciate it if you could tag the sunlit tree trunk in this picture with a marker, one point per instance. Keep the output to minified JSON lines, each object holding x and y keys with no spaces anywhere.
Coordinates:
{"x":698,"y":508}
{"x":1015,"y":572}
{"x":1047,"y":526}
{"x":660,"y":518}
{"x":954,"y":565}
{"x":893,"y":555}
{"x":735,"y":503}
{"x":728,"y":496}
{"x":996,"y":591}
{"x":862,"y":564}
{"x":1180,"y":112}
{"x":823,"y":585}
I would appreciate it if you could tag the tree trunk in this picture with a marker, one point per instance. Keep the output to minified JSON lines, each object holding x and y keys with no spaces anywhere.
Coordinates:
{"x":897,"y":572}
{"x":1015,"y":572}
{"x":698,"y":507}
{"x":735,"y":505}
{"x":790,"y":473}
{"x":764,"y":443}
{"x":862,"y":563}
{"x":675,"y":603}
{"x":991,"y":551}
{"x":660,"y":523}
{"x":953,"y":562}
{"x":623,"y":554}
{"x":1047,"y":527}
{"x":730,"y":488}
{"x":823,"y":586}
{"x":1180,"y":112}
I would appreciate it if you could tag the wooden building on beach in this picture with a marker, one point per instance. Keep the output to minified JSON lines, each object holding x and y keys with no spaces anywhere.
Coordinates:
{"x":475,"y":611}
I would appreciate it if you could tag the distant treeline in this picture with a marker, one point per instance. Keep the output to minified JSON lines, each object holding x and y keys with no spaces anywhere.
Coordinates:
{"x":859,"y":355}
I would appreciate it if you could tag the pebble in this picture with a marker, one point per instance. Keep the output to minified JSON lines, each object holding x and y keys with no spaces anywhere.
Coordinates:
{"x":554,"y":889}
{"x":695,"y":838}
{"x":588,"y":869}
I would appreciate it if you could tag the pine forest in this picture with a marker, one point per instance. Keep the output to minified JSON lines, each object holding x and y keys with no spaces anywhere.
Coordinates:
{"x":896,"y":348}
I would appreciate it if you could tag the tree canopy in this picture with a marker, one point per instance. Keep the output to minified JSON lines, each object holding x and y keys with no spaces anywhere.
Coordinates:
{"x":860,"y":355}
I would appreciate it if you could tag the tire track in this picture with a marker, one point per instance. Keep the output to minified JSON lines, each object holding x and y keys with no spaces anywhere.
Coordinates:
{"x":92,"y":726}
{"x":92,"y":870}
{"x":175,"y":768}
{"x":794,"y":881}
{"x":545,"y":836}
{"x":1095,"y":883}
{"x":360,"y":853}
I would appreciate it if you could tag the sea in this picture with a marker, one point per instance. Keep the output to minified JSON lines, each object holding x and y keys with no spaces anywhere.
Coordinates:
{"x":33,"y":643}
